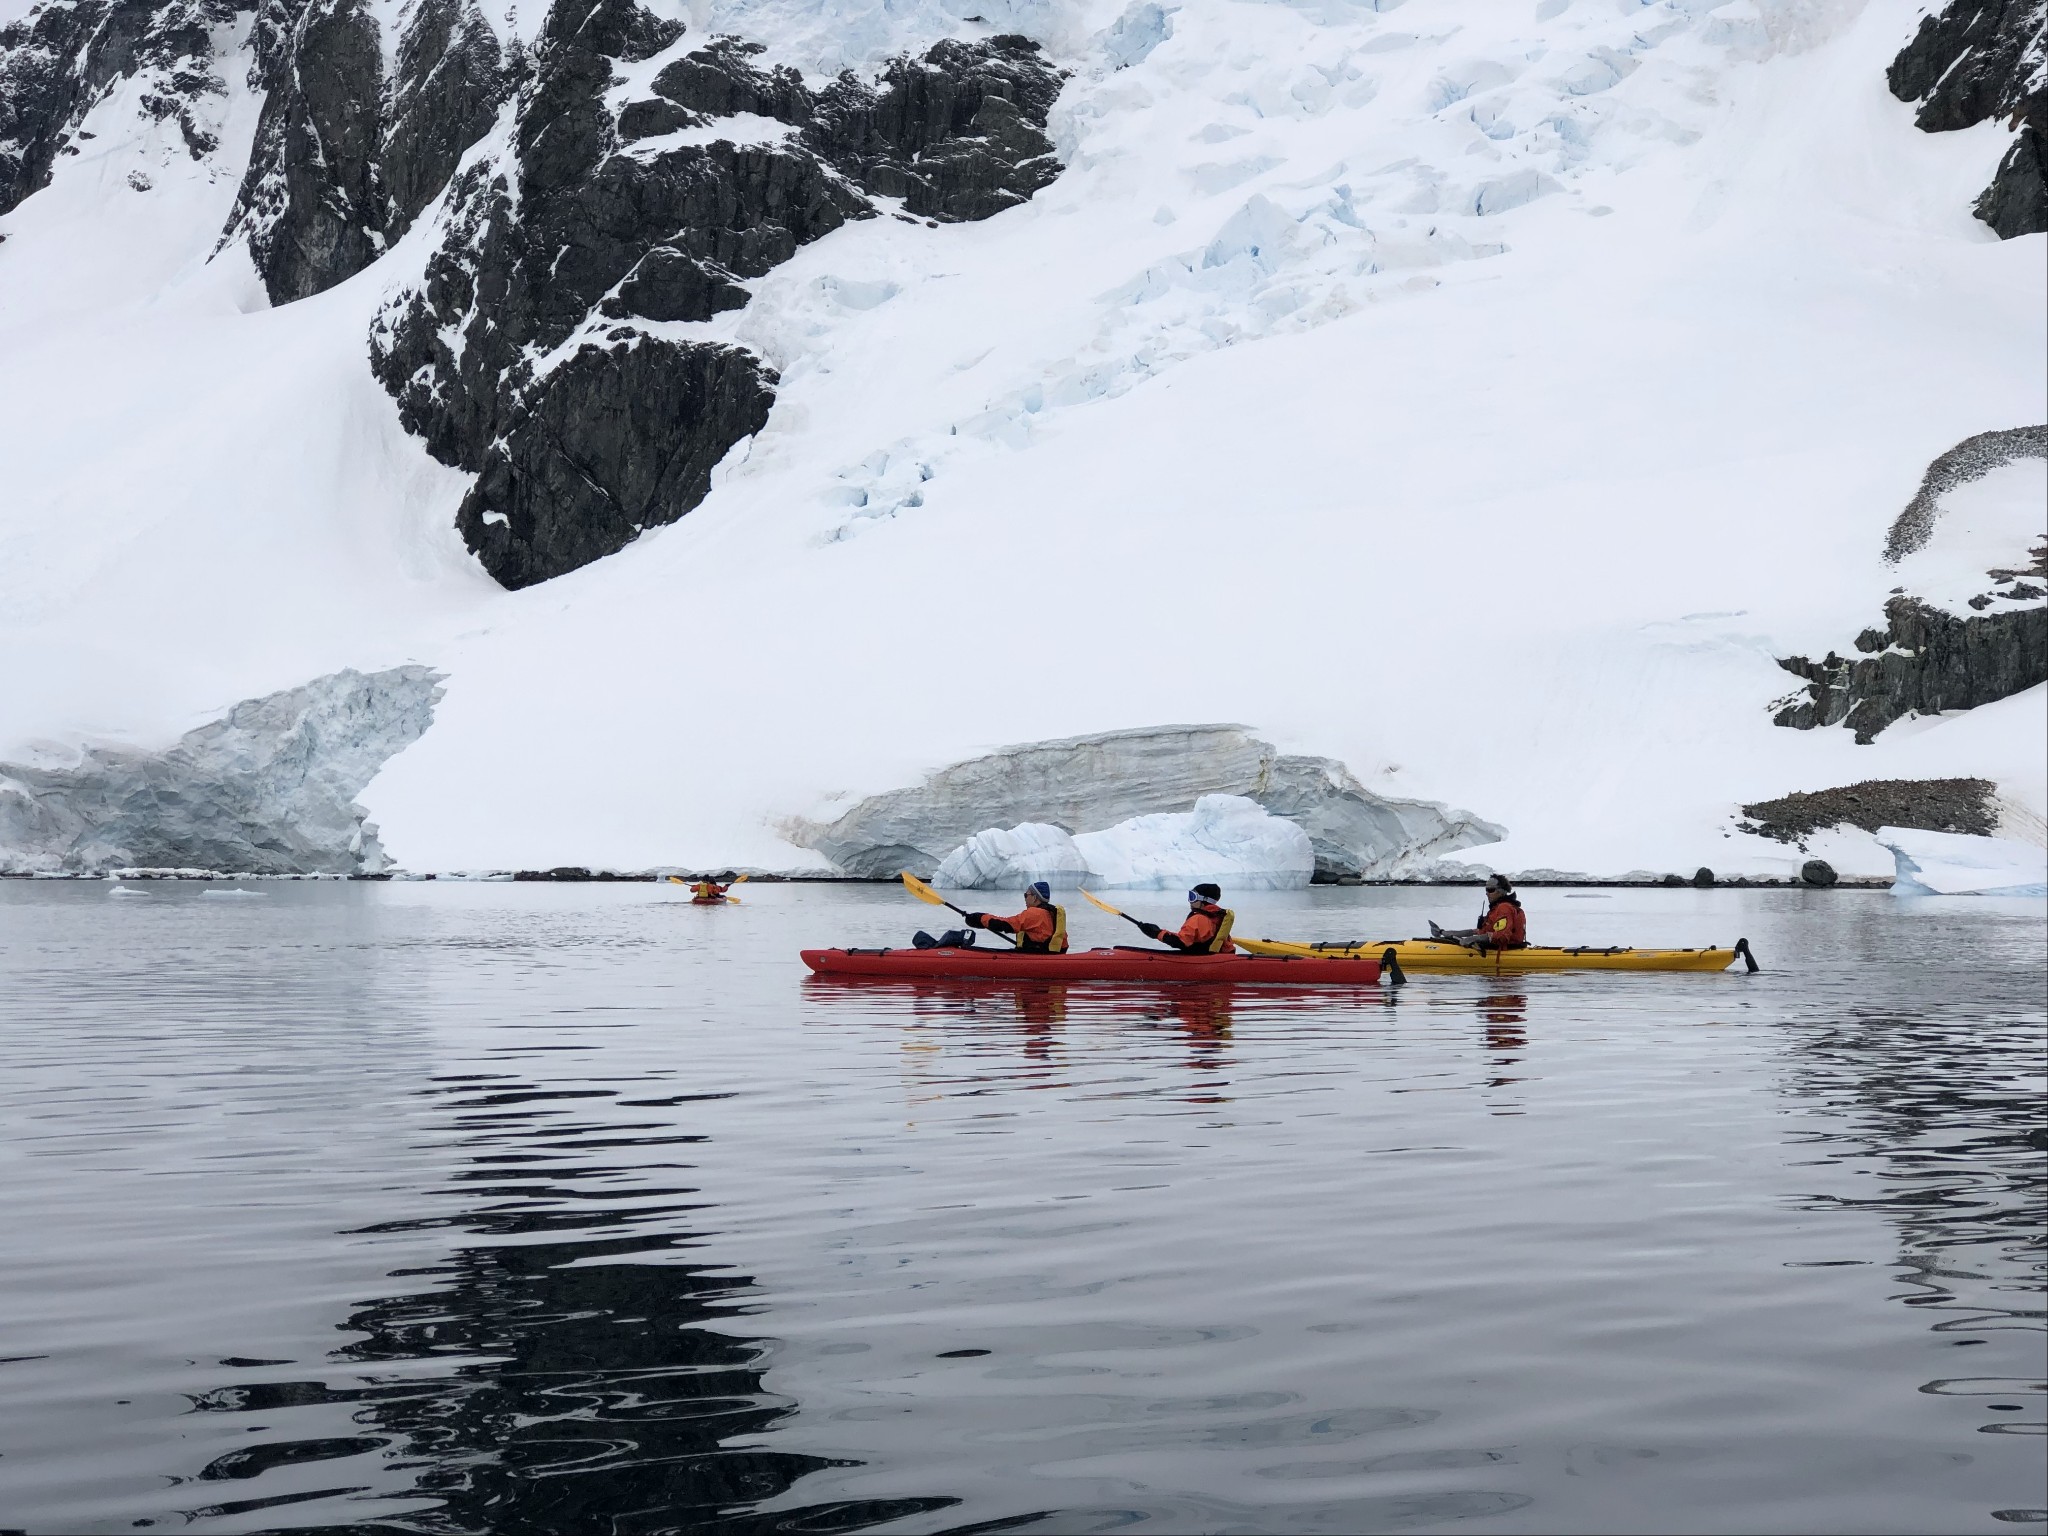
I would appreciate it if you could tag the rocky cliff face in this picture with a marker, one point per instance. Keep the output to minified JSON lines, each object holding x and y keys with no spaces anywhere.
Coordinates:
{"x":267,"y":789}
{"x":1083,"y":784}
{"x":1975,"y":60}
{"x":1922,"y":662}
{"x":344,"y":158}
{"x":532,"y":351}
{"x":59,"y":60}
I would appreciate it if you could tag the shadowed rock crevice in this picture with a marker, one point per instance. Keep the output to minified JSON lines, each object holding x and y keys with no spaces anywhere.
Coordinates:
{"x":268,"y":789}
{"x":1090,"y":783}
{"x":1971,"y":62}
{"x":531,"y":352}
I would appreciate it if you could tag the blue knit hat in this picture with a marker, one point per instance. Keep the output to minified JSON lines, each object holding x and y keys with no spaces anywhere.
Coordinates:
{"x":1040,"y":889}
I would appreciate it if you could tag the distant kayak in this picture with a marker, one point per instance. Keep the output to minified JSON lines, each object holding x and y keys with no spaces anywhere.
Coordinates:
{"x":1428,"y":955}
{"x":1139,"y":965}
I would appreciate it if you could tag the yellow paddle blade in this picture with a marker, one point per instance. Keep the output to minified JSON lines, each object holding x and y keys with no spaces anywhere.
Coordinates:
{"x":677,"y":880}
{"x":1112,"y":911}
{"x":922,"y":891}
{"x":741,"y":881}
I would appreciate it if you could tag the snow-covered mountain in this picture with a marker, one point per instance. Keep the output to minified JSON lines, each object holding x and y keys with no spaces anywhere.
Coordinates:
{"x":706,"y":433}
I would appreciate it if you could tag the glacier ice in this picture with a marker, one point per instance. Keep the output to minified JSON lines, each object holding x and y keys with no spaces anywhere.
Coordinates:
{"x":269,"y":788}
{"x":1957,"y":864}
{"x":1089,"y":783}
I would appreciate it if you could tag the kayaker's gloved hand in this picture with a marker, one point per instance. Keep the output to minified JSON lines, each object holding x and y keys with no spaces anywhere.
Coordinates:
{"x":1150,"y":930}
{"x":977,"y":919}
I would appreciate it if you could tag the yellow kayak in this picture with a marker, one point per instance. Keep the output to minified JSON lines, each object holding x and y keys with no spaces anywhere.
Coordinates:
{"x":1429,"y":955}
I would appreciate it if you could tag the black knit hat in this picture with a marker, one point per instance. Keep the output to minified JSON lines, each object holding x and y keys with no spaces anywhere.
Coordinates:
{"x":1208,"y":892}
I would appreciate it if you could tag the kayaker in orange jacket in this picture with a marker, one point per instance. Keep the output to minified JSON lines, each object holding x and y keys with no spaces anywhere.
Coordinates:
{"x":1503,"y":925}
{"x":707,"y":891}
{"x":1207,"y":930}
{"x":1040,"y":929}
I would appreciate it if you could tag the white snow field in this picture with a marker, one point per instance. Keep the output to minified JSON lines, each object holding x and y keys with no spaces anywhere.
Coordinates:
{"x":1482,"y":393}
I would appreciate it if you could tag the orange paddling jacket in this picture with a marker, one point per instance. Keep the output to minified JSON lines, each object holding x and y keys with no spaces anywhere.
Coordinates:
{"x":1206,"y":932}
{"x":1040,"y":930}
{"x":1505,"y":925}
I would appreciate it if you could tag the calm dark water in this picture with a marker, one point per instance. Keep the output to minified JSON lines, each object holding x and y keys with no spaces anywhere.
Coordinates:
{"x":445,"y":1208}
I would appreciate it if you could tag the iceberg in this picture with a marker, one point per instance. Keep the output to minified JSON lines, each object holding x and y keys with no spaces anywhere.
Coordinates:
{"x":1226,"y":838}
{"x":1955,"y":864}
{"x":996,"y":859}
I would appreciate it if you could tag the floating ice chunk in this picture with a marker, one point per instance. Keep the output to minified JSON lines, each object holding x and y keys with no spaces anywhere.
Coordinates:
{"x":1952,"y":864}
{"x":997,"y":859}
{"x":235,"y":890}
{"x":124,"y":890}
{"x":1225,"y":838}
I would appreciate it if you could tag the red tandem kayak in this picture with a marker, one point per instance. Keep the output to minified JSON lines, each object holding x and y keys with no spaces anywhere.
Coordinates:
{"x":1146,"y":965}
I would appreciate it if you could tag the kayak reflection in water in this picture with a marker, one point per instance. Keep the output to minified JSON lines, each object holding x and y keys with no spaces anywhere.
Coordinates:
{"x":1503,"y":925}
{"x":1207,"y":930}
{"x":1040,"y":929}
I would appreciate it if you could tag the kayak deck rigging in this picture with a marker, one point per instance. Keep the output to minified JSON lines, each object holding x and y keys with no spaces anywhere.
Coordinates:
{"x":1441,"y":955}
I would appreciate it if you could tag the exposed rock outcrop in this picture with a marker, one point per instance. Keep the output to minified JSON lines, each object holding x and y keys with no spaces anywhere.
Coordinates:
{"x":1926,"y":659}
{"x":57,"y":62}
{"x":530,"y":353}
{"x":267,"y":789}
{"x":1922,"y":662}
{"x":1934,"y":805}
{"x":1090,"y":783}
{"x":1976,"y":60}
{"x":344,"y":159}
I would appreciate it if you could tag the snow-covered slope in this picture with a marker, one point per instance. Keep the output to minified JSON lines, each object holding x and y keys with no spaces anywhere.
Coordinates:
{"x":1481,"y":394}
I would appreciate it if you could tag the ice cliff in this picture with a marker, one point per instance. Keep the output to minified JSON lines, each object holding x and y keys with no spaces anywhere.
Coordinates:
{"x":1093,"y":784}
{"x":267,"y":789}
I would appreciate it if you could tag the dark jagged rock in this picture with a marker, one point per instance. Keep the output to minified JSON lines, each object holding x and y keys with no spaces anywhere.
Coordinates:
{"x":719,"y":81}
{"x":1932,"y":805}
{"x":57,"y":61}
{"x":518,"y":357}
{"x":596,"y":458}
{"x":312,"y":202}
{"x":1927,"y":661}
{"x":452,"y":79}
{"x":344,"y":160}
{"x":1976,"y":60}
{"x":956,"y":134}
